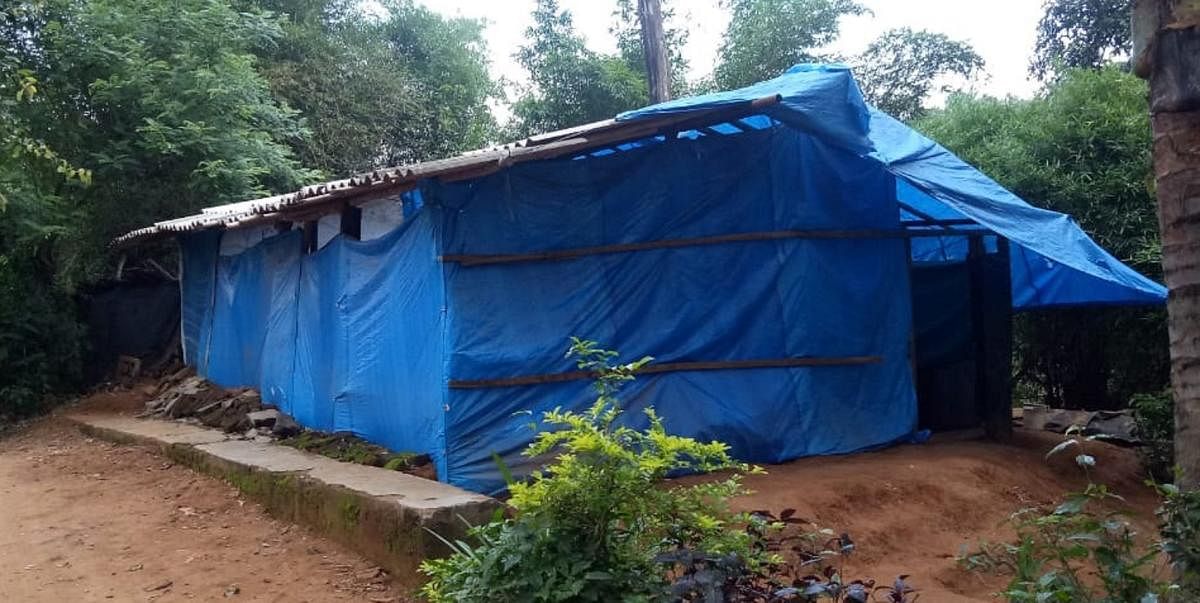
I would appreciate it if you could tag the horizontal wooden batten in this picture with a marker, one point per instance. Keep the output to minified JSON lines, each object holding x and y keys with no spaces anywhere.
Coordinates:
{"x":742,"y":237}
{"x":671,"y":367}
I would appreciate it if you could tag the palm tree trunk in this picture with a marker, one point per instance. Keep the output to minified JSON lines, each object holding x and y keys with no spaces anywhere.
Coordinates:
{"x":1167,"y":52}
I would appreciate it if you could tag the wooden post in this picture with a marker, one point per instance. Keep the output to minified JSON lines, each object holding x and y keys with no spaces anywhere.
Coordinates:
{"x":653,"y":46}
{"x":991,"y":317}
{"x":310,"y":236}
{"x":352,"y":222}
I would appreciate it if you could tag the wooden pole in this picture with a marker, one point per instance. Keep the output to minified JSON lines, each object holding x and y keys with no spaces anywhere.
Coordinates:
{"x":653,"y":46}
{"x":670,"y":367}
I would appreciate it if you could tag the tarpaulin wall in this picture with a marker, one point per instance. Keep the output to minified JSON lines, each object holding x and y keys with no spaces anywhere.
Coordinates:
{"x":737,"y":301}
{"x":345,"y":339}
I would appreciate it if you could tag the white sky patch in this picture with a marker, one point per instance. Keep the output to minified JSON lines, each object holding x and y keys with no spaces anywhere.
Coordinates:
{"x":1003,"y":33}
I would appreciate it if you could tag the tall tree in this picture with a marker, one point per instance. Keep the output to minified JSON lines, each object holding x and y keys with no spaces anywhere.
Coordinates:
{"x":569,"y":83}
{"x":1080,"y":34}
{"x":765,"y":37}
{"x":900,"y":69}
{"x":1167,"y":53}
{"x":654,"y":48}
{"x":627,"y":29}
{"x":162,"y":101}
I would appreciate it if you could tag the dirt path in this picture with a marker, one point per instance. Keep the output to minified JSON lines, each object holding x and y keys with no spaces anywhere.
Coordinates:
{"x":84,"y":520}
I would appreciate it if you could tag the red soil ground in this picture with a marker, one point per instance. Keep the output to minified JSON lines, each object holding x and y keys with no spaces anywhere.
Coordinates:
{"x":910,"y":509}
{"x":84,"y":520}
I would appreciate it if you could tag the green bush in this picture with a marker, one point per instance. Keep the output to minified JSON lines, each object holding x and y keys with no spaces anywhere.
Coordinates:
{"x":1154,"y":425}
{"x":41,"y":341}
{"x":595,"y":524}
{"x":1179,"y":526}
{"x":1079,"y":552}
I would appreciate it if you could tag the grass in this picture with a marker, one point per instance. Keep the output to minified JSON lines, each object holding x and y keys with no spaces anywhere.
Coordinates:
{"x":353,"y":449}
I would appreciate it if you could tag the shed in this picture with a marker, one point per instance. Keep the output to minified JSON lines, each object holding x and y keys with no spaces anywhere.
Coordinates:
{"x":812,"y":276}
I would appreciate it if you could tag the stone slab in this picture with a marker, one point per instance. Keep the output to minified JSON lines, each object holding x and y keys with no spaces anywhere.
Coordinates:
{"x":385,"y":515}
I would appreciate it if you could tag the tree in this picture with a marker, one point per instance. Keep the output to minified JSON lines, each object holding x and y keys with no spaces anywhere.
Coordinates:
{"x":570,"y":84}
{"x":1167,"y":53}
{"x":766,"y":37}
{"x":1080,"y":147}
{"x":163,"y":103}
{"x":1080,"y":34}
{"x":378,"y":91}
{"x":628,"y":31}
{"x":899,"y":70}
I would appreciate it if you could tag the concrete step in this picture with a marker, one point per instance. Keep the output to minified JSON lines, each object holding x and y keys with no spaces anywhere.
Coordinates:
{"x":385,"y":515}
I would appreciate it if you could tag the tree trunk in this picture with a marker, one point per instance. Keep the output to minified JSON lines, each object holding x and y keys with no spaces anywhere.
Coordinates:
{"x":1167,"y":52}
{"x":654,"y":47}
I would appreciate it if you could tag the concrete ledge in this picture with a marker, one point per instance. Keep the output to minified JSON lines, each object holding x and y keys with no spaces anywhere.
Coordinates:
{"x":382,"y":514}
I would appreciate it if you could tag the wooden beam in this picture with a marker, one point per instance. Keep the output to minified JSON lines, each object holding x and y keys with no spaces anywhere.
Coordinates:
{"x":670,"y":367}
{"x":775,"y":235}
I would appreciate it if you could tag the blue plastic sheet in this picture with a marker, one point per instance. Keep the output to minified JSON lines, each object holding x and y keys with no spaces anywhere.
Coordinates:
{"x":1054,"y":262}
{"x":368,"y":336}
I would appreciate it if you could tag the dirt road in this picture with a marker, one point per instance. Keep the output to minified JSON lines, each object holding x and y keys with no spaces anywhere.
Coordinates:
{"x":84,"y":520}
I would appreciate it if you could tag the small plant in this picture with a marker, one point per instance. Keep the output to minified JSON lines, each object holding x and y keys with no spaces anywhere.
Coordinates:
{"x":1179,"y":526}
{"x":599,"y":523}
{"x":1075,"y":553}
{"x":1154,"y":426}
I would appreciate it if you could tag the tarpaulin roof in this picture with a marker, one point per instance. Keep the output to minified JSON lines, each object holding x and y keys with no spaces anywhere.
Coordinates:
{"x":1054,"y":262}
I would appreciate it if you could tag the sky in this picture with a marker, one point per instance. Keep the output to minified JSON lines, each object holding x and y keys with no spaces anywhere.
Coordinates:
{"x":1002,"y":32}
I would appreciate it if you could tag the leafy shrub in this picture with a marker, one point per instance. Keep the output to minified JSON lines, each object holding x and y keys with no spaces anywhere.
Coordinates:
{"x":1076,"y":553}
{"x":1154,"y":425}
{"x":596,"y":524}
{"x":1179,"y":526}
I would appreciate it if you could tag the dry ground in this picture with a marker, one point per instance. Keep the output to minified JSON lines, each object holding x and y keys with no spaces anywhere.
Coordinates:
{"x":910,"y":509}
{"x":84,"y":520}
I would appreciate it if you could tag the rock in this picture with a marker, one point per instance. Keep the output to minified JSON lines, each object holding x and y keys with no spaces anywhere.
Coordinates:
{"x":165,"y":584}
{"x":263,"y":418}
{"x":1054,"y":419}
{"x":285,"y":427}
{"x":232,"y":590}
{"x":1112,"y":426}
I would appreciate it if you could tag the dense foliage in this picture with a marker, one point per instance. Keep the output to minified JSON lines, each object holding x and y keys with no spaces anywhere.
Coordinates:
{"x":765,"y":37}
{"x":1081,"y":147}
{"x":592,"y":525}
{"x":378,"y":91}
{"x":1154,"y":427}
{"x":117,"y":113}
{"x":163,"y":110}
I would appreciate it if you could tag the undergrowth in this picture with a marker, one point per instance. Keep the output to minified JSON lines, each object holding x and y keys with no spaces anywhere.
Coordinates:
{"x":602,"y":523}
{"x":1085,"y":550}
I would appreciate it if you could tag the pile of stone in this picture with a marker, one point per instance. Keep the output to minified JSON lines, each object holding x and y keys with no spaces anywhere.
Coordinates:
{"x":1115,"y":426}
{"x":187,"y":397}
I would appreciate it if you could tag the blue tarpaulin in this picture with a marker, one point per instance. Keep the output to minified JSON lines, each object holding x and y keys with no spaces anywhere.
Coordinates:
{"x":368,"y":336}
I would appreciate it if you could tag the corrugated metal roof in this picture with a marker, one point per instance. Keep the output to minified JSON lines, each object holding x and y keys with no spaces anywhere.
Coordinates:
{"x":315,"y":200}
